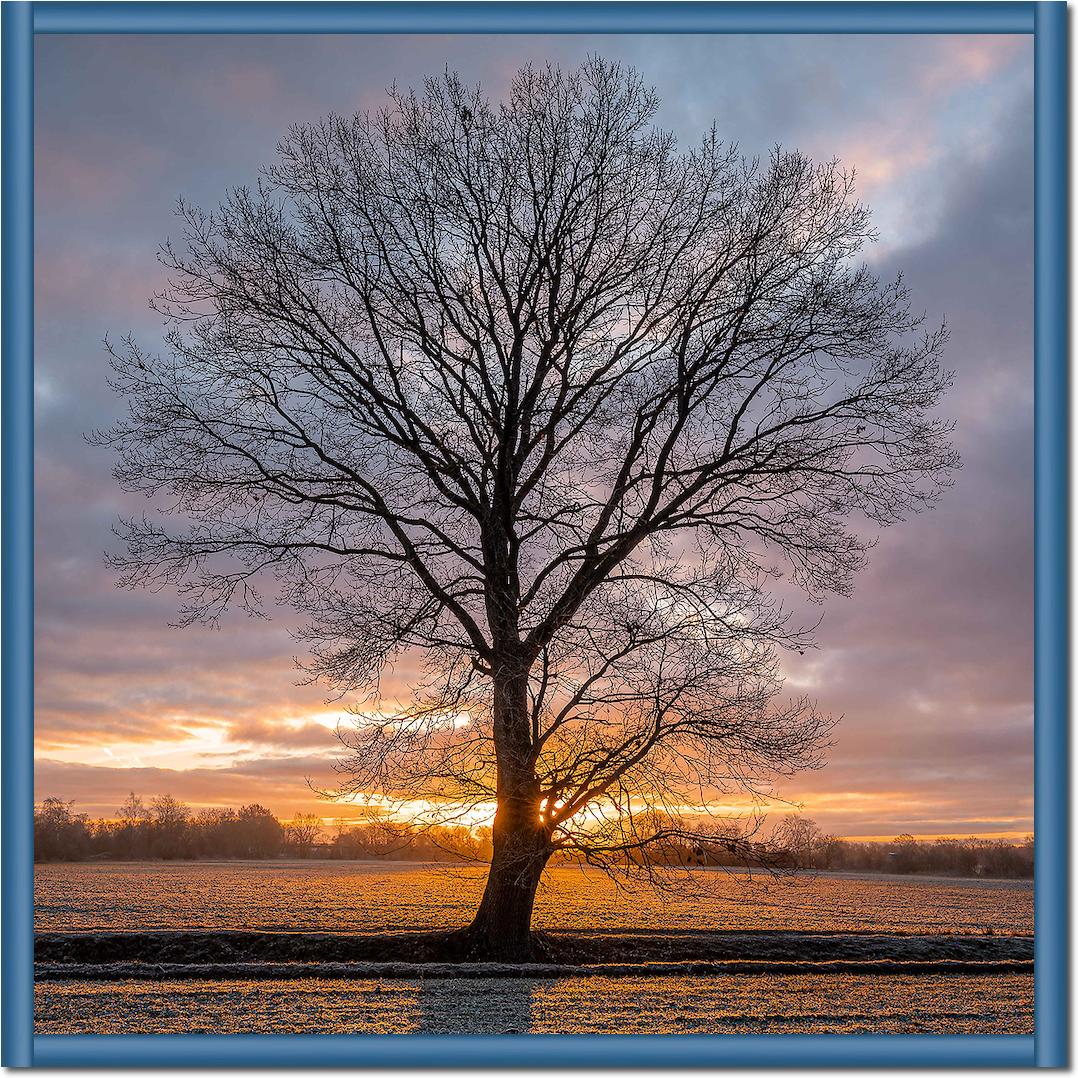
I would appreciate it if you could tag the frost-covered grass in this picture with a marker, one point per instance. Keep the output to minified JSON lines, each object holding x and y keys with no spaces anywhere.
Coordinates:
{"x":381,"y":897}
{"x":337,"y":947}
{"x":852,"y":1003}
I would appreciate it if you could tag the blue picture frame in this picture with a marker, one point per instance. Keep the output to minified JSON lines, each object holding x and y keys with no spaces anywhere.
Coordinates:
{"x":1048,"y":1047}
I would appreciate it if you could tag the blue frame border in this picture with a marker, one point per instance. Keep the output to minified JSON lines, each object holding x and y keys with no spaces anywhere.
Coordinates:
{"x":1051,"y":631}
{"x":17,"y":538}
{"x":1047,"y":21}
{"x":536,"y":16}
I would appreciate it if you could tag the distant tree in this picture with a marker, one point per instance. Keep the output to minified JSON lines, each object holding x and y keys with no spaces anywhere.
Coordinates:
{"x":800,"y":839}
{"x":906,"y":854}
{"x":259,"y":832}
{"x":130,"y":838}
{"x":133,"y":811}
{"x":213,"y":833}
{"x":168,"y":827}
{"x":302,"y":832}
{"x":350,"y":842}
{"x":59,"y":833}
{"x":529,"y":391}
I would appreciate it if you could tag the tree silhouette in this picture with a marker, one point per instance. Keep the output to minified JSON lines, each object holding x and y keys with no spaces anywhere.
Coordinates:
{"x":302,"y":832}
{"x":800,"y":839}
{"x":527,"y":391}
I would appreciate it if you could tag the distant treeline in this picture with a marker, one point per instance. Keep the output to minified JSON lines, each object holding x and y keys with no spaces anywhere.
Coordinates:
{"x":798,"y":843}
{"x":996,"y":858}
{"x":164,"y":828}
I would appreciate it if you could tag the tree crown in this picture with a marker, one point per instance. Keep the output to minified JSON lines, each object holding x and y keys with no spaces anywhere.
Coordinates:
{"x":529,"y":390}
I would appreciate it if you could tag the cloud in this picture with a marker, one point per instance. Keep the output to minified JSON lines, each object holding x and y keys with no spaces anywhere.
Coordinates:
{"x":100,"y":790}
{"x":931,"y":662}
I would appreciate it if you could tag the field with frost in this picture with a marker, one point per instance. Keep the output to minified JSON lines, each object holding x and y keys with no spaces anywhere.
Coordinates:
{"x":267,"y":947}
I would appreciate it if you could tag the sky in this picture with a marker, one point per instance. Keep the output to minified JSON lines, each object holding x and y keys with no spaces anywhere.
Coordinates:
{"x":929,"y":663}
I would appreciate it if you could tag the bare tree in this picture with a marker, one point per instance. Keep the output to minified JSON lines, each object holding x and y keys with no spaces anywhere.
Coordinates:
{"x":800,"y":839}
{"x":133,"y":812}
{"x":527,"y":390}
{"x":303,"y":831}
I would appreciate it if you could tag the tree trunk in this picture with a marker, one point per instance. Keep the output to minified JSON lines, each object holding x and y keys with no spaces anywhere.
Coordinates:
{"x":501,"y":930}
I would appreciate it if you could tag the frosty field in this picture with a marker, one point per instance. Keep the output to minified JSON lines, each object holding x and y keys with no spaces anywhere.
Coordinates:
{"x":758,"y":1004}
{"x":355,"y":896}
{"x":835,"y":916}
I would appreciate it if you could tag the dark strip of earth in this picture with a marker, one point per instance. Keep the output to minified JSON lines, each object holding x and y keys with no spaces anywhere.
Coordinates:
{"x":173,"y":954}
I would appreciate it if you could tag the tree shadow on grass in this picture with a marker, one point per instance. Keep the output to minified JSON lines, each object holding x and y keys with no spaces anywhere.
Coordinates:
{"x":475,"y":1005}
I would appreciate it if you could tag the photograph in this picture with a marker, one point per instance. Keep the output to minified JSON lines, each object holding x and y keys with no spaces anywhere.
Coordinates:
{"x":534,"y":533}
